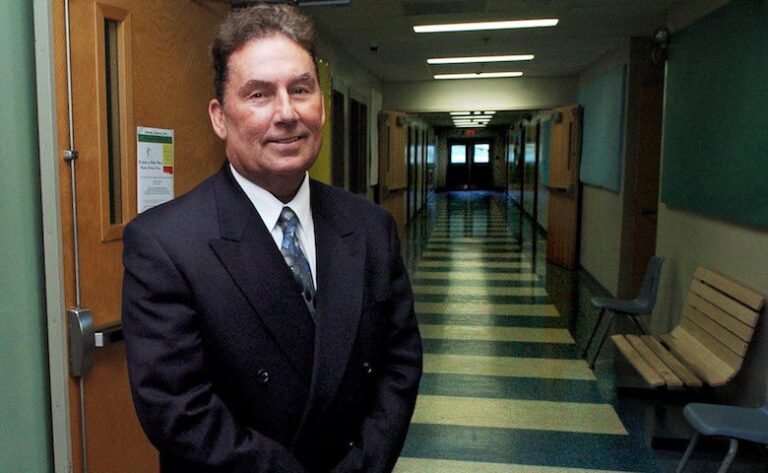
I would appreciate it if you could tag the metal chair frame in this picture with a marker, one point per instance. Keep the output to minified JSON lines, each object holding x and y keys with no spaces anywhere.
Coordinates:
{"x":733,"y":422}
{"x":641,"y":305}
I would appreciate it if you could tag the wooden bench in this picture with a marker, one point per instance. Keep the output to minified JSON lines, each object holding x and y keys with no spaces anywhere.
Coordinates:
{"x":708,"y":345}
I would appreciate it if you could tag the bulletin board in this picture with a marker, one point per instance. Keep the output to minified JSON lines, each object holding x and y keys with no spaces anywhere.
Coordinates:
{"x":602,"y":145}
{"x":715,"y":154}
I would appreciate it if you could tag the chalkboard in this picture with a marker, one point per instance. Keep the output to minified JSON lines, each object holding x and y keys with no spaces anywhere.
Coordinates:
{"x":603,"y":140}
{"x":715,"y":155}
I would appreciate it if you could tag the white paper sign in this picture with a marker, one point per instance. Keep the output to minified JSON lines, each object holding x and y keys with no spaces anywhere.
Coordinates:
{"x":155,"y":166}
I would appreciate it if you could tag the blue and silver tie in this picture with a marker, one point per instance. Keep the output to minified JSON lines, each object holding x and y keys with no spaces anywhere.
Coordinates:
{"x":295,"y":258}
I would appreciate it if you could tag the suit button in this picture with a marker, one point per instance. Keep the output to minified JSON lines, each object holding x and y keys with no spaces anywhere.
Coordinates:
{"x":367,"y":368}
{"x":351,"y":444}
{"x":262,"y":376}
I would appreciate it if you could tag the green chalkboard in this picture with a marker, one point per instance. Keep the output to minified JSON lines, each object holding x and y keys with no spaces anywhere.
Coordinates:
{"x":715,"y":156}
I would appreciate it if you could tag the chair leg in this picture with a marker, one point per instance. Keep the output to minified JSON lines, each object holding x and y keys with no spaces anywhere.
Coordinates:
{"x":688,"y":451}
{"x":637,"y":324}
{"x":594,"y":331}
{"x":602,"y":340}
{"x":732,"y":449}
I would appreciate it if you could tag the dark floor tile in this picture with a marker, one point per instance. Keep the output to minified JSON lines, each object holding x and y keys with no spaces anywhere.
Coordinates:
{"x":529,"y":447}
{"x":560,"y":390}
{"x":515,"y":349}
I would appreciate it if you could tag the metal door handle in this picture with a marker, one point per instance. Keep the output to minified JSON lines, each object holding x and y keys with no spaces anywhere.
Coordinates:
{"x":84,"y":339}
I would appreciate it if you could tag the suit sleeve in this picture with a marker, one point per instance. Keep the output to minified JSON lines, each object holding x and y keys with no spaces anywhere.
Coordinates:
{"x":174,"y":398}
{"x":384,"y":430}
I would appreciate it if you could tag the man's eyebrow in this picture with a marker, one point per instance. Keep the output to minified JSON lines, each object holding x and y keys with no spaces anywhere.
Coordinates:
{"x":252,"y":84}
{"x":303,"y":77}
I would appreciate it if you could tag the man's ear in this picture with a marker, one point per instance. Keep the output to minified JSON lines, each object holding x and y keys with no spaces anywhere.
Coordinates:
{"x":216,"y":114}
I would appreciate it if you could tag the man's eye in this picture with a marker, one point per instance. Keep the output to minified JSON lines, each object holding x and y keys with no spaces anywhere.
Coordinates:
{"x":300,"y":90}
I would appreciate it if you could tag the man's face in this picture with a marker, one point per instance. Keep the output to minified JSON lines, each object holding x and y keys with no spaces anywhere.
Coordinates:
{"x":273,"y":114}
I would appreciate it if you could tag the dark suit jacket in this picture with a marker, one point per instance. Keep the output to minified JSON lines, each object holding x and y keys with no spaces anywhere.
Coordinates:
{"x":229,"y":371}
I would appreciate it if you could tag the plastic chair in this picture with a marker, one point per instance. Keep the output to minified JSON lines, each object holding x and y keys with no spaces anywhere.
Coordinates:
{"x":738,"y":423}
{"x":643,"y":304}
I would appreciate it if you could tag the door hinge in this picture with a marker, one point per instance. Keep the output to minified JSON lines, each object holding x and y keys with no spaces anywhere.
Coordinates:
{"x":70,"y":154}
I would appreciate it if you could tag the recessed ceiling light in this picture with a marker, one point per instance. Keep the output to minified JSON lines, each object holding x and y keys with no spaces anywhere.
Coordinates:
{"x":486,"y":25}
{"x":473,"y":59}
{"x":478,"y":75}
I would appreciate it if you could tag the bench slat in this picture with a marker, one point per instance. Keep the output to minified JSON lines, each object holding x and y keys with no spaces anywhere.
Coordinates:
{"x":670,"y":379}
{"x":724,"y":302}
{"x":742,"y":294}
{"x":687,"y":376}
{"x":646,"y":371}
{"x":712,"y":345}
{"x":717,"y":332}
{"x":735,"y":325}
{"x":698,"y":358}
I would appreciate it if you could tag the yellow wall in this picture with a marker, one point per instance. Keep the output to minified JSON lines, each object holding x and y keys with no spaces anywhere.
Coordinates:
{"x":321,"y":170}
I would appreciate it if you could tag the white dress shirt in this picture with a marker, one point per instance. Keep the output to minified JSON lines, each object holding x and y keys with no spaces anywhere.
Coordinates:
{"x":269,"y":207}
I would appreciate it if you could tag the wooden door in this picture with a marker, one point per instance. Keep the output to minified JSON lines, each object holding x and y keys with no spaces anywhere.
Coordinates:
{"x":645,"y":198}
{"x":564,"y":188}
{"x":134,"y":63}
{"x":482,"y":172}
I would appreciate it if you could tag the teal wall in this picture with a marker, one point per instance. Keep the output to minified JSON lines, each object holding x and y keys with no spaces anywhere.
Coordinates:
{"x":25,"y":432}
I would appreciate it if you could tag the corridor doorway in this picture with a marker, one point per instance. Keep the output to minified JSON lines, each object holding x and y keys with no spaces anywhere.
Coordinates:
{"x":469,"y":164}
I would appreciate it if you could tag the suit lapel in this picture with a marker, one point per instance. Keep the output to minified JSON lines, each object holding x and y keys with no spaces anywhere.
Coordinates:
{"x":340,"y":275}
{"x":251,"y":257}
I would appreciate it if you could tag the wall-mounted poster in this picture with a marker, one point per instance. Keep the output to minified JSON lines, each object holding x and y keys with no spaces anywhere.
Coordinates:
{"x":155,"y":166}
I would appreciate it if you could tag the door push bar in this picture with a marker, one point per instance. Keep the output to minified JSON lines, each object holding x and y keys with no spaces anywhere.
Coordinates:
{"x":84,"y":339}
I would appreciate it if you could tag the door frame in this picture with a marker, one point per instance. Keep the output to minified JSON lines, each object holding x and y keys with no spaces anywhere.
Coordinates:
{"x":58,"y":356}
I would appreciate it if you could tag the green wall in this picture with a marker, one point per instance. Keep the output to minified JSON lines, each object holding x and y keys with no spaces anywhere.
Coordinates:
{"x":25,"y":432}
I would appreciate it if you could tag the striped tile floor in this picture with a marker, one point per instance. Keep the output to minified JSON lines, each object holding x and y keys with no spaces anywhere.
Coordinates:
{"x":503,"y":389}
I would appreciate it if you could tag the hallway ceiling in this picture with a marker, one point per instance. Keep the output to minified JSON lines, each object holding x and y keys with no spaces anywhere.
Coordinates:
{"x":587,"y":30}
{"x":379,"y":34}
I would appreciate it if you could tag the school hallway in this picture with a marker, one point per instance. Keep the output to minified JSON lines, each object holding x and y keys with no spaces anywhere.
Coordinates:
{"x":505,"y":388}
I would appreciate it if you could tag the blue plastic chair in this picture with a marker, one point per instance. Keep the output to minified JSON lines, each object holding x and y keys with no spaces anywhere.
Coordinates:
{"x":641,"y":305}
{"x":738,"y":423}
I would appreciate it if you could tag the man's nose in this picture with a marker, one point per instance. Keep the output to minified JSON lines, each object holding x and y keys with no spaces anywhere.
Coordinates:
{"x":286,"y":111}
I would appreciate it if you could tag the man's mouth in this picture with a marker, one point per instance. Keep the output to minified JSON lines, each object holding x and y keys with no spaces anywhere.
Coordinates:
{"x":288,"y":140}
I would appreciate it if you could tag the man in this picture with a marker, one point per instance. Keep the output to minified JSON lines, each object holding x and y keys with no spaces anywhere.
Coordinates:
{"x":268,"y":318}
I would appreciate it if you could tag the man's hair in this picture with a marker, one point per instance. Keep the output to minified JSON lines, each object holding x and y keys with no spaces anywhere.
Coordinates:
{"x":256,"y":22}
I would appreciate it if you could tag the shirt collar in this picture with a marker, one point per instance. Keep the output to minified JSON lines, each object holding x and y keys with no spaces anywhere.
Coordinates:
{"x":269,"y":207}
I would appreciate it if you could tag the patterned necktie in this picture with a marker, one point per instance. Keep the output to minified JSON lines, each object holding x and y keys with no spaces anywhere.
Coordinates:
{"x":295,"y":258}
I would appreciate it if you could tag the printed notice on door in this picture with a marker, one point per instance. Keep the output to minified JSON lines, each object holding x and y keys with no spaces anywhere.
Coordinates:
{"x":155,"y":171}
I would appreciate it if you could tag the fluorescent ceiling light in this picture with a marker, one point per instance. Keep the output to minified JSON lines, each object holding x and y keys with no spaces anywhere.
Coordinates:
{"x":461,"y":113}
{"x":478,"y":75}
{"x":470,"y":126}
{"x":473,"y":59}
{"x":486,"y":25}
{"x":489,"y":112}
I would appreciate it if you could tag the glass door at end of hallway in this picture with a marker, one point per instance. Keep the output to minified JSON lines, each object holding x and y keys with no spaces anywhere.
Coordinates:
{"x":469,"y":164}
